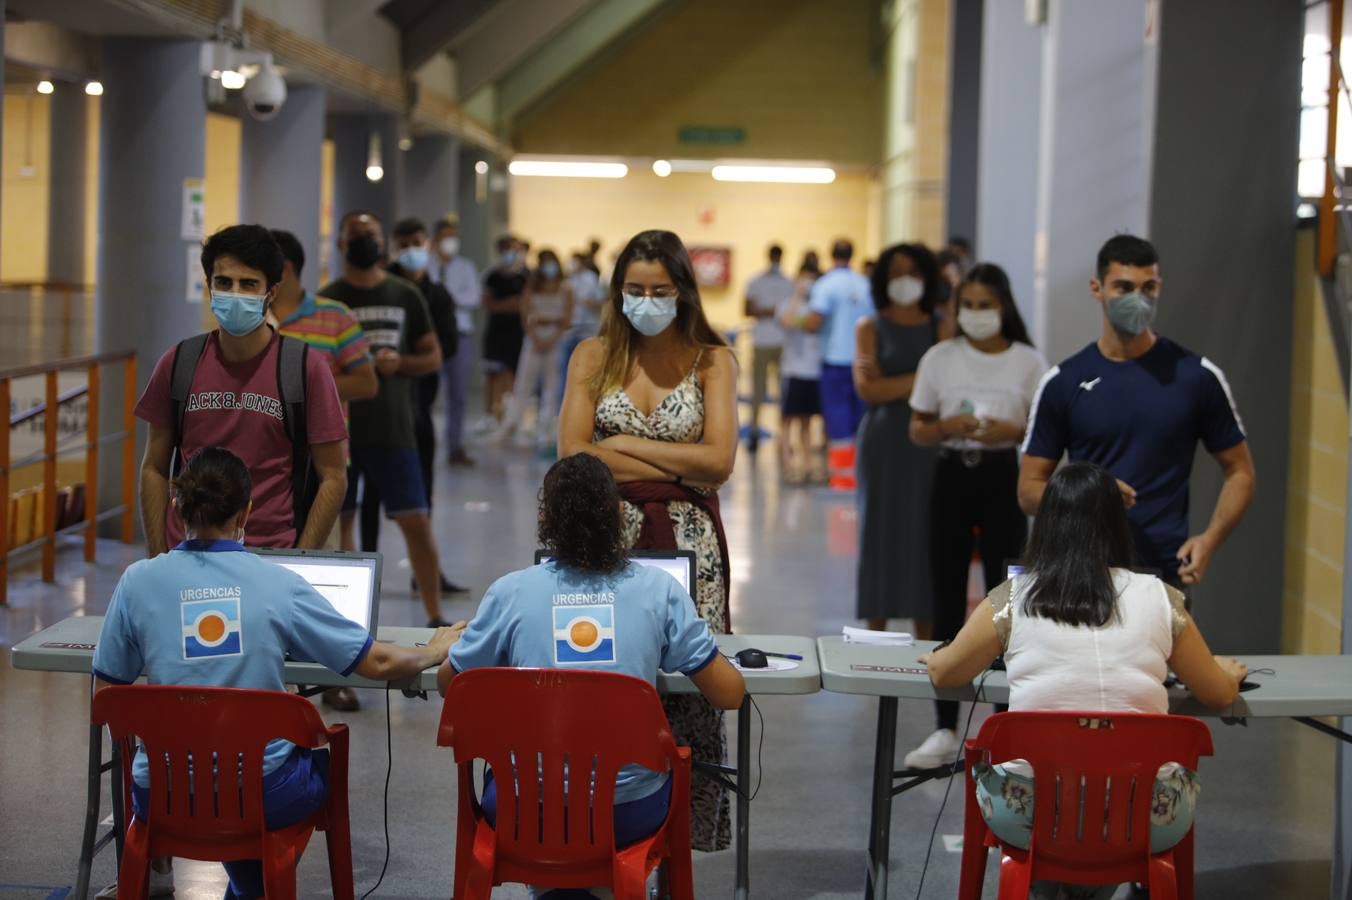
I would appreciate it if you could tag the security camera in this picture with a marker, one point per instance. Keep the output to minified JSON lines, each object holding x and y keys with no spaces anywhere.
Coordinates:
{"x":265,"y":92}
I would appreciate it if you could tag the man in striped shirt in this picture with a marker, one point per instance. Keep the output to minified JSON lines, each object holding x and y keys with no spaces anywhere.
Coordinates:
{"x":1137,"y":404}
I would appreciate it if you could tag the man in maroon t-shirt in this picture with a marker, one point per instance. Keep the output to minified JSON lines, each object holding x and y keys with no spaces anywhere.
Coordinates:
{"x":235,"y":402}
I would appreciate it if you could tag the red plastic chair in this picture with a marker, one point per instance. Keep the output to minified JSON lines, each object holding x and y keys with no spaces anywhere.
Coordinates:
{"x":536,"y":722}
{"x":1103,"y":766}
{"x":205,"y":821}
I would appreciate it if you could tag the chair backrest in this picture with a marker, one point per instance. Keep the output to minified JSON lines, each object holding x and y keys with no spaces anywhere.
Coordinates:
{"x":205,"y":750}
{"x":1094,"y":776}
{"x":556,"y":740}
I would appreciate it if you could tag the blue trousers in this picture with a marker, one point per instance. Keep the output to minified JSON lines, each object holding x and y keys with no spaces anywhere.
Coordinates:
{"x":291,"y":793}
{"x":842,"y":410}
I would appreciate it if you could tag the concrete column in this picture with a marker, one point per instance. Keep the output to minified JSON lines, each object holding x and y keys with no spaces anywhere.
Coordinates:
{"x":1093,"y":159}
{"x":351,"y":189}
{"x":66,"y":201}
{"x":152,"y":136}
{"x":430,"y":187}
{"x":476,"y":223}
{"x":964,"y":108}
{"x":1007,"y":146}
{"x":280,"y":172}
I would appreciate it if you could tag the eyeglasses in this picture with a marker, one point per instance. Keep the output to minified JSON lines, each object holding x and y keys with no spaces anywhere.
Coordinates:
{"x":660,"y":292}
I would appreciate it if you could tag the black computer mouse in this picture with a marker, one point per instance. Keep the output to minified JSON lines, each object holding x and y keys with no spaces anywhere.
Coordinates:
{"x":751,"y":658}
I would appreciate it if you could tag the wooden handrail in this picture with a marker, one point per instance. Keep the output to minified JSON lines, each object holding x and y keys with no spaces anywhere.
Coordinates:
{"x":52,"y":403}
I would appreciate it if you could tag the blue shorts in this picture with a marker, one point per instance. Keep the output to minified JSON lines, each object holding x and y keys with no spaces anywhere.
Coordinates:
{"x":634,"y":820}
{"x":842,"y":410}
{"x":800,"y":397}
{"x":394,"y":473}
{"x":292,"y":792}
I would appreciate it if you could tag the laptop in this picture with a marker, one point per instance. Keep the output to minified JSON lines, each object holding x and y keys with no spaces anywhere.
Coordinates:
{"x":679,"y":564}
{"x":350,"y":581}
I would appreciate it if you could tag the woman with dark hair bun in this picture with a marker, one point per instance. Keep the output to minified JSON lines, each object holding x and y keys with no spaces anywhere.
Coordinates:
{"x":654,"y":397}
{"x":589,"y":606}
{"x":1081,"y":632}
{"x":210,"y":613}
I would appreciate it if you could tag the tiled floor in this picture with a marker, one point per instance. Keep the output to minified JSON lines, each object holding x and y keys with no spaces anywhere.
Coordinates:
{"x":1264,"y":828}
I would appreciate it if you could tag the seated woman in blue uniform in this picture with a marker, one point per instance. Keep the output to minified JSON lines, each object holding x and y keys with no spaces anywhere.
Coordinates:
{"x":272,"y":611}
{"x":654,"y":620}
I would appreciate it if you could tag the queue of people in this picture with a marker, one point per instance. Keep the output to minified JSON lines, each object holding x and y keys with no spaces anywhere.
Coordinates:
{"x":931,"y":391}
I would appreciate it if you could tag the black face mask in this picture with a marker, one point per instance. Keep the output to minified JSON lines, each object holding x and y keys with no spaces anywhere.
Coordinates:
{"x":362,"y":251}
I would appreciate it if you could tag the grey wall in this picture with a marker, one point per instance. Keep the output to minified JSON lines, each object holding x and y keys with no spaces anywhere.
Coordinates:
{"x":964,"y":117}
{"x":1007,"y":145}
{"x":351,"y":191}
{"x":431,"y":180}
{"x":1223,"y":217}
{"x":66,"y":201}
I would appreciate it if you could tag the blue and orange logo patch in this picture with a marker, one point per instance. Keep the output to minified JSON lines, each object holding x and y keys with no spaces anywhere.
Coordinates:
{"x":584,"y":634}
{"x":211,"y":628}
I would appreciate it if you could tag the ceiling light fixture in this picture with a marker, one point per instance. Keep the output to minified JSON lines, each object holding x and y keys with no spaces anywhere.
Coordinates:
{"x":45,"y":87}
{"x":775,"y":174}
{"x":374,"y":170}
{"x":481,"y":167}
{"x":94,"y":88}
{"x":232,"y":79}
{"x":567,"y":169}
{"x":661,"y":168}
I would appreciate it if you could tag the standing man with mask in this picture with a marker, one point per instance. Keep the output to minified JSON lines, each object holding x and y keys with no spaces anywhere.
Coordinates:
{"x":230,"y":397}
{"x":504,"y":336}
{"x":455,"y":272}
{"x":764,"y":294}
{"x":1136,"y":403}
{"x":384,"y":443}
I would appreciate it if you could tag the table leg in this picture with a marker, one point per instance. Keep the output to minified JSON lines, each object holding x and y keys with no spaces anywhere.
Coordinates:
{"x":93,"y":789}
{"x":743,"y":887}
{"x":880,"y":816}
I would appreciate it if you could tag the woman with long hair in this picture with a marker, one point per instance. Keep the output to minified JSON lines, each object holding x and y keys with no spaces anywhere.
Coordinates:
{"x":654,"y":397}
{"x":971,"y":399}
{"x":1080,"y":631}
{"x":546,"y":312}
{"x":894,"y":474}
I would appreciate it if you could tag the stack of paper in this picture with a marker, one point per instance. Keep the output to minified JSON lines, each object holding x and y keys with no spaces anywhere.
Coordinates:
{"x":886,"y":638}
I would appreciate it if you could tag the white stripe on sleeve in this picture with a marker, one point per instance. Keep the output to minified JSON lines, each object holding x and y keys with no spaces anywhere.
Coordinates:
{"x":1225,"y":386}
{"x":1037,"y":401}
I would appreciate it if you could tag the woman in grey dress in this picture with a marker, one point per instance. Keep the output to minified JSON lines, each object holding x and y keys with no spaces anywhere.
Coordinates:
{"x":894,"y":475}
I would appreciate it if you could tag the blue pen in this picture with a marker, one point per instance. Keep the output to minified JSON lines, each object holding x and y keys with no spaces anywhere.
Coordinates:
{"x":784,"y":655}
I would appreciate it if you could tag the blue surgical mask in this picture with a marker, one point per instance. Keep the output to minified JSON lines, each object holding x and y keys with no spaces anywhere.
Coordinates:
{"x":649,"y":315}
{"x":1131,"y":314}
{"x":238,"y":314}
{"x":510,"y":258}
{"x":413,"y":259}
{"x":549,"y":270}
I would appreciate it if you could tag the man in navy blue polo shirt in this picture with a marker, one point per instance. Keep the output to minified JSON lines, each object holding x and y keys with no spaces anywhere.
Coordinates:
{"x":1136,"y":403}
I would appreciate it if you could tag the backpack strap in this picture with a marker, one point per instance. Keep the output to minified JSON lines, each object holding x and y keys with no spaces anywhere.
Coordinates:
{"x":187,"y":355}
{"x":292,"y":356}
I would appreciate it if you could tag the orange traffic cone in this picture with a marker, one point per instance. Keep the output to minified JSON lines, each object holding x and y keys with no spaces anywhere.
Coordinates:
{"x":840,"y":462}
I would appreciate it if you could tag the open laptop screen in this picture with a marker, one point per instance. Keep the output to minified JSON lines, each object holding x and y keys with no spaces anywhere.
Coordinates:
{"x":350,"y":581}
{"x":679,"y":564}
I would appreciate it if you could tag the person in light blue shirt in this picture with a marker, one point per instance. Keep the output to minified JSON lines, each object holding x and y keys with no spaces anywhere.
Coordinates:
{"x":839,"y":299}
{"x":590,"y":607}
{"x":209,"y":613}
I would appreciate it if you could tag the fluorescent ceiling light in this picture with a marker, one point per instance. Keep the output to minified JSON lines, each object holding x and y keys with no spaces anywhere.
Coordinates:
{"x":94,"y":88}
{"x":692,"y":165}
{"x":567,"y":169}
{"x":45,"y":87}
{"x":232,"y":80}
{"x":776,"y":174}
{"x":661,"y":168}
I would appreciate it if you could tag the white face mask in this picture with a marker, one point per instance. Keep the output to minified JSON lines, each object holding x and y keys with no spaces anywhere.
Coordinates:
{"x":449,"y":246}
{"x":979,"y":324}
{"x":905,"y":290}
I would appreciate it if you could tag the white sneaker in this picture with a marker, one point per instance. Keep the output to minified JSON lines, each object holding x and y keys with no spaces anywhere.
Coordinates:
{"x":161,"y":885}
{"x":939,"y":749}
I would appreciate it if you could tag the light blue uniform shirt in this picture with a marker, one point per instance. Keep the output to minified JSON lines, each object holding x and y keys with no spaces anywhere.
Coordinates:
{"x":212,"y":614}
{"x":842,"y":297}
{"x":635,"y":621}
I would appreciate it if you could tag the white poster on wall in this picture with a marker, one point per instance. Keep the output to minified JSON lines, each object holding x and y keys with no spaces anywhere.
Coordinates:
{"x":194,"y":210}
{"x":196,"y":283}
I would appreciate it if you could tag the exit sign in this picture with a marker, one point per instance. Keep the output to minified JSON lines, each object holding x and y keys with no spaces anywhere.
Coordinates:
{"x":710,"y":134}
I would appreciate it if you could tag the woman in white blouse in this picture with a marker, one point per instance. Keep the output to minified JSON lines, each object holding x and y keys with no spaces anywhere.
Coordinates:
{"x":1080,"y":631}
{"x":971,"y":399}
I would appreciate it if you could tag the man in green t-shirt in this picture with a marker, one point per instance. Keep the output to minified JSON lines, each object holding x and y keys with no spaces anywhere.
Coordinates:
{"x":383,"y":444}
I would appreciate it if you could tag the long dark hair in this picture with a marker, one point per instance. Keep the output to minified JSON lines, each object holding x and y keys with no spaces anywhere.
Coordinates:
{"x":1079,"y":535}
{"x":665,"y":248}
{"x":926,"y":269}
{"x":213,"y":488}
{"x":992,"y":276}
{"x":580,"y":524}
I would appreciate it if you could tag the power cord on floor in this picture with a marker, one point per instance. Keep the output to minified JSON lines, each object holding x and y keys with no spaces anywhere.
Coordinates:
{"x":962,"y":743}
{"x":760,"y":748}
{"x":389,"y":768}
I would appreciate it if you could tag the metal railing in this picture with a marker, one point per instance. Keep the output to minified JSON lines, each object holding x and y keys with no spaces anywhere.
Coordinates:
{"x":91,"y":443}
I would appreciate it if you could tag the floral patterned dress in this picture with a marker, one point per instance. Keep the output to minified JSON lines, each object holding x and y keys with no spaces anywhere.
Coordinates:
{"x":694,"y":721}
